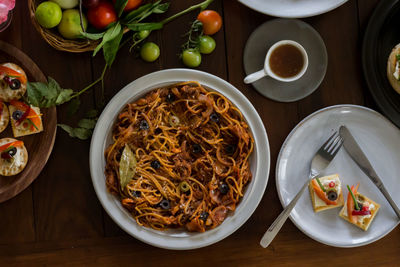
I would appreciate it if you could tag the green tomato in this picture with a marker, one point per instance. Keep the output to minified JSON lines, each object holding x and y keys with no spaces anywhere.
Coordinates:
{"x":70,"y":25}
{"x":143,"y":34}
{"x":66,"y":4}
{"x":149,"y":52}
{"x":48,"y":14}
{"x":191,"y":58}
{"x":206,"y":44}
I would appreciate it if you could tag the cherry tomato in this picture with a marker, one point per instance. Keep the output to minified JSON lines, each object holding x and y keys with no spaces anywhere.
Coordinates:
{"x":143,"y":34}
{"x":206,"y":44}
{"x":149,"y":52}
{"x":102,"y":15}
{"x":132,"y":4}
{"x":212,"y":21}
{"x":332,"y":184}
{"x":191,"y":58}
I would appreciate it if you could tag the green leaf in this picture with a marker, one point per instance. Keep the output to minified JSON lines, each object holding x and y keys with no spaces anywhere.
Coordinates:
{"x":127,"y":166}
{"x":161,"y":8}
{"x":73,"y":106}
{"x":68,"y":129}
{"x":93,"y":36}
{"x":64,"y":96}
{"x":119,"y":6}
{"x":137,"y":13}
{"x":34,"y":95}
{"x":144,"y":11}
{"x":53,"y":89}
{"x":150,"y":26}
{"x":91,"y":113}
{"x":87,"y":123}
{"x":110,"y":34}
{"x":80,"y":133}
{"x":110,"y":49}
{"x":47,"y":95}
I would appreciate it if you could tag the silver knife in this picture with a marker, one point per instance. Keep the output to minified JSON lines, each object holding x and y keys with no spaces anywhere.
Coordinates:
{"x":355,"y":152}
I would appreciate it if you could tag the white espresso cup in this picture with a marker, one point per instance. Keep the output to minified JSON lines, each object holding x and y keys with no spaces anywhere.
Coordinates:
{"x":267,"y":71}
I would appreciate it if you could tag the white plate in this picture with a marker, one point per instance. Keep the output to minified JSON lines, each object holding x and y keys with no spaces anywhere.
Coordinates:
{"x":293,"y":8}
{"x":179,"y":239}
{"x":378,"y":138}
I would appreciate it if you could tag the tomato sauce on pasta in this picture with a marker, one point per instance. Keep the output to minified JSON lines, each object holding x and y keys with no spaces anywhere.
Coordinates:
{"x":191,"y":148}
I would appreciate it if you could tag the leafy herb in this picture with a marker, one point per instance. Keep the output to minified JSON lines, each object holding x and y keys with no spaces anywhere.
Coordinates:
{"x":144,"y":11}
{"x":73,"y":106}
{"x":127,"y":166}
{"x":88,"y":124}
{"x":161,"y":8}
{"x":110,"y":34}
{"x":80,"y":133}
{"x":110,"y":49}
{"x":83,"y":131}
{"x":92,"y":114}
{"x":144,"y":26}
{"x":47,"y":95}
{"x":93,"y":36}
{"x":398,"y":57}
{"x":119,"y":6}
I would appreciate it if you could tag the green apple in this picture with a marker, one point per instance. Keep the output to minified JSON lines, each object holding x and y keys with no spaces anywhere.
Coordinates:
{"x":70,"y":25}
{"x":66,"y":4}
{"x":48,"y":14}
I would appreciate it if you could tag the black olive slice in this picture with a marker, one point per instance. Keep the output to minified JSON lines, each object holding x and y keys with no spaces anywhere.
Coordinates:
{"x":332,"y":195}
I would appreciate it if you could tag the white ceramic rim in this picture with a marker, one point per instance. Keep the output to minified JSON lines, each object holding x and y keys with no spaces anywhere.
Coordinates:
{"x":253,"y":193}
{"x":267,"y":67}
{"x":264,"y":9}
{"x":279,"y":160}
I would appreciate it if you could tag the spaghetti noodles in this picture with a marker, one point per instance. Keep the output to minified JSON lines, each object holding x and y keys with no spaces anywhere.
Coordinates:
{"x":191,"y":149}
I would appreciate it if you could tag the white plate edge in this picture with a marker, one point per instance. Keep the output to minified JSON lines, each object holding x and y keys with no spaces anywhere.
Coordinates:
{"x":282,"y":15}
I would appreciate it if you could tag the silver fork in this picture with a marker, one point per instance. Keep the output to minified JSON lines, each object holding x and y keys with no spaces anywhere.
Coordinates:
{"x":320,"y":161}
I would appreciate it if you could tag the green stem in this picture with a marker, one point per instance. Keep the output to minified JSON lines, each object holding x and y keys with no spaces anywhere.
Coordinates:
{"x":202,"y":6}
{"x":100,"y":79}
{"x":320,"y":185}
{"x":354,"y":198}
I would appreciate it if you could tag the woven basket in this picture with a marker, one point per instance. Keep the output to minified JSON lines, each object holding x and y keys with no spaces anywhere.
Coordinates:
{"x":53,"y":38}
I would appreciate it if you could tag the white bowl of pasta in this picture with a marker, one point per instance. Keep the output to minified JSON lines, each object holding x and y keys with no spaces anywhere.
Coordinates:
{"x":192,"y":159}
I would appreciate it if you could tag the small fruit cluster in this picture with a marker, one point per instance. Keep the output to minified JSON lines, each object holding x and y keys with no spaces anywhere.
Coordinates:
{"x":100,"y":13}
{"x":200,"y":42}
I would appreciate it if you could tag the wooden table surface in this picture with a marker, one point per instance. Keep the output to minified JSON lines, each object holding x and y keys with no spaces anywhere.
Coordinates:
{"x":59,"y":220}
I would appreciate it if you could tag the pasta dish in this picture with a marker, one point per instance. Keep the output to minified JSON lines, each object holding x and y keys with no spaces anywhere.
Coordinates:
{"x":179,"y":158}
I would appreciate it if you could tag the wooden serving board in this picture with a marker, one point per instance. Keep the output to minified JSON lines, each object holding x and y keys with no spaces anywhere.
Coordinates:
{"x":39,"y":145}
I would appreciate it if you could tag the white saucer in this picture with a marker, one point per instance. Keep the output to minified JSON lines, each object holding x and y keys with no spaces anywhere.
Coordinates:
{"x":293,"y":8}
{"x":280,"y":29}
{"x":380,"y":141}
